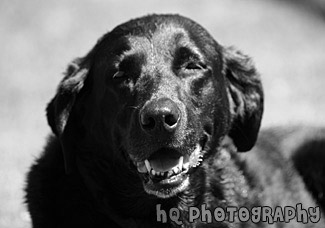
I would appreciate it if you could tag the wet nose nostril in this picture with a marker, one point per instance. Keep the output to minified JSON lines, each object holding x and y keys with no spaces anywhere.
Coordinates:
{"x":148,"y":123}
{"x":171,"y":120}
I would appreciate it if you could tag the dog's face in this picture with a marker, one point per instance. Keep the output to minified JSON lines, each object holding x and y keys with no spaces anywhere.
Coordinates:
{"x":158,"y":93}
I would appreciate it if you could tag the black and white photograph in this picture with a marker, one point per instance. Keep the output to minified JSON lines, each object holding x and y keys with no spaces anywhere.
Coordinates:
{"x":166,"y":114}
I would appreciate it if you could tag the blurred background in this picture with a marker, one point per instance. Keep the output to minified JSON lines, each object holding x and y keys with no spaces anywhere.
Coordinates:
{"x":38,"y":38}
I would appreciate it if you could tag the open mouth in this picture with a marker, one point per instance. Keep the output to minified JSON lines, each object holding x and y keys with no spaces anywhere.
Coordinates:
{"x":166,"y":172}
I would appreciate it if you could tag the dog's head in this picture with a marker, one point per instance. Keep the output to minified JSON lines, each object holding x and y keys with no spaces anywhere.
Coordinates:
{"x":160,"y":93}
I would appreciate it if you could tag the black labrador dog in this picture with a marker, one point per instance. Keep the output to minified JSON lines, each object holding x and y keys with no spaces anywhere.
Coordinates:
{"x":148,"y":129}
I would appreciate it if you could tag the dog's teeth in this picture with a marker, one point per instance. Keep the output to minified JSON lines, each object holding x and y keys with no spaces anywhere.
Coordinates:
{"x":148,"y":166}
{"x":170,"y":172}
{"x":176,"y":170}
{"x":186,"y":165}
{"x":153,"y":172}
{"x":141,"y":167}
{"x":180,"y":162}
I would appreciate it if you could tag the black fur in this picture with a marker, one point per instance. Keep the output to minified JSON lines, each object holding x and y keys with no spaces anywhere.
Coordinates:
{"x":164,"y":66}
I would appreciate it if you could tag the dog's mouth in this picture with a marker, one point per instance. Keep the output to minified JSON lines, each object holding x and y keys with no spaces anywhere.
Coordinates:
{"x":166,"y":172}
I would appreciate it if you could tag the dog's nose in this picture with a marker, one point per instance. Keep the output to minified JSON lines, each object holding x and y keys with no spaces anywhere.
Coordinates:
{"x":160,"y":116}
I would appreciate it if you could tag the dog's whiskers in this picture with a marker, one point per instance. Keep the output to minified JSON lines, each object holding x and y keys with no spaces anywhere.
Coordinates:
{"x":133,"y":107}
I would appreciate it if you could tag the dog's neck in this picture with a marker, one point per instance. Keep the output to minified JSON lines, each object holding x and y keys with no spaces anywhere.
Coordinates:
{"x":130,"y":200}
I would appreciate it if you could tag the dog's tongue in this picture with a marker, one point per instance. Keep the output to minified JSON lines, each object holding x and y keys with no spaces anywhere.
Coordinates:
{"x":164,"y":160}
{"x":163,"y":164}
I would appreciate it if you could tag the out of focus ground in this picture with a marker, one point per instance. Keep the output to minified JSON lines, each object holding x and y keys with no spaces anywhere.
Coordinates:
{"x":38,"y":38}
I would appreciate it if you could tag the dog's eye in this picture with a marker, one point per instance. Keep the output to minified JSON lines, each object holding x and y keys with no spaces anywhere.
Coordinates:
{"x":119,"y":74}
{"x":194,"y":66}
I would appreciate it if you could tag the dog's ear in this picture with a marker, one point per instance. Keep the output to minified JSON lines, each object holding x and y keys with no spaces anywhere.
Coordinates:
{"x":245,"y":97}
{"x":60,"y":107}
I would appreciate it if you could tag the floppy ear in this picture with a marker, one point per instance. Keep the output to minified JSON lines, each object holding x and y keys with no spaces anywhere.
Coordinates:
{"x":59,"y":109}
{"x":245,"y":97}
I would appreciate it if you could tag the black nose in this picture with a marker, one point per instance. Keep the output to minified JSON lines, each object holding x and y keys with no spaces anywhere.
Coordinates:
{"x":161,"y":116}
